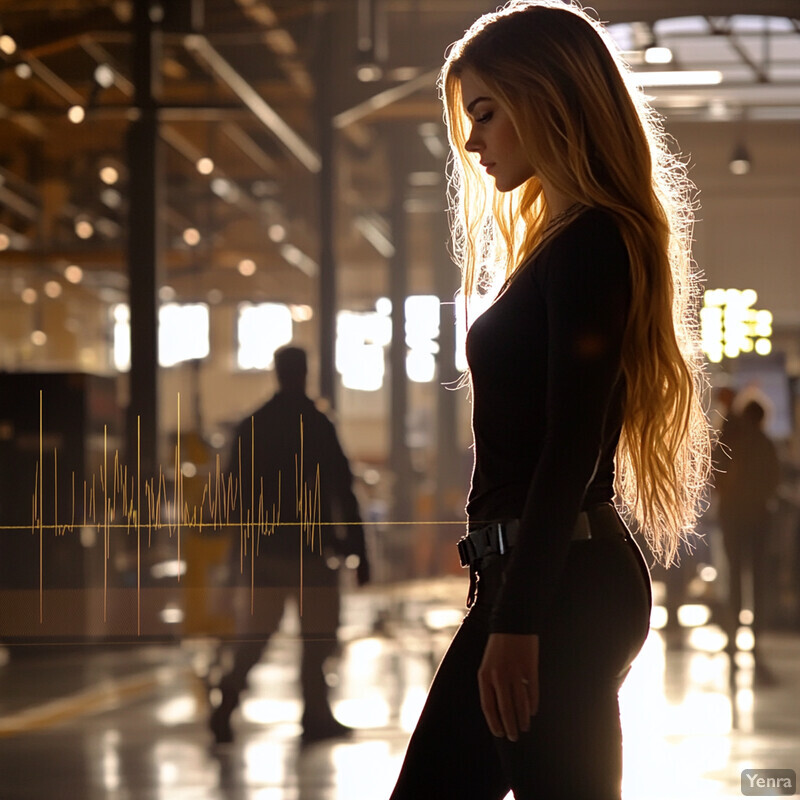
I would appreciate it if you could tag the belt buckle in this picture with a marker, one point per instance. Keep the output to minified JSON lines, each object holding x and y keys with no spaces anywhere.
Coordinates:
{"x":463,"y":546}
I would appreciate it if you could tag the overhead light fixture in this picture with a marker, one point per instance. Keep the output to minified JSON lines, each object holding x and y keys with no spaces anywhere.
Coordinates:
{"x":658,"y":55}
{"x":740,"y":162}
{"x":52,"y":289}
{"x":191,"y":236}
{"x":8,"y":45}
{"x":205,"y":165}
{"x":369,"y":73}
{"x":697,"y":77}
{"x":73,"y":273}
{"x":76,"y":114}
{"x":83,"y":227}
{"x":109,"y":175}
{"x":104,"y":76}
{"x":247,"y":267}
{"x":276,"y":232}
{"x":111,"y":198}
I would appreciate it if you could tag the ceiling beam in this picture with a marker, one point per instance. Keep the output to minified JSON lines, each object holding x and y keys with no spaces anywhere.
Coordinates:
{"x":202,"y":49}
{"x":386,"y":98}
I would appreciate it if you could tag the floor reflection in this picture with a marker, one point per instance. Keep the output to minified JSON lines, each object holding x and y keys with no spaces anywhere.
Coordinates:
{"x":693,"y":716}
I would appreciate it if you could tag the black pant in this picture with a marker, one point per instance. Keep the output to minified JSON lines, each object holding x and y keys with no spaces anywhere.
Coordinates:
{"x":258,"y":613}
{"x":600,"y":619}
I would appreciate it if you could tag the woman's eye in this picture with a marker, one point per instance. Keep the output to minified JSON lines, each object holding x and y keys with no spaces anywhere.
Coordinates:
{"x":484,"y":117}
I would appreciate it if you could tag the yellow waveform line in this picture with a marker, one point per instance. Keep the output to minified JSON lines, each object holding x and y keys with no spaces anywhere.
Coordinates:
{"x":221,"y":493}
{"x":194,"y":523}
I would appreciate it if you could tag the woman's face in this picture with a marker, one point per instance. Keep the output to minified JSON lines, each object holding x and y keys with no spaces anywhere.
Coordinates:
{"x":493,"y":137}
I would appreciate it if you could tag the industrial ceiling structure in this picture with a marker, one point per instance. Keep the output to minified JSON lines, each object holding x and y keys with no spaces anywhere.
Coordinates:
{"x":239,"y":90}
{"x":292,"y":151}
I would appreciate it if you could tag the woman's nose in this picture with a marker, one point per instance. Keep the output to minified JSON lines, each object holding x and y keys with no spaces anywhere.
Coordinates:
{"x":472,"y":145}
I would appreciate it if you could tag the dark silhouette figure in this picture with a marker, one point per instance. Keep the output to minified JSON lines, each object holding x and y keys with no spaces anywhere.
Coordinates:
{"x":298,"y":473}
{"x":746,"y":485}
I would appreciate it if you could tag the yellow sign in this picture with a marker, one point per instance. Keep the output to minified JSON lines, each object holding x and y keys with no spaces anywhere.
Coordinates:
{"x":730,"y":325}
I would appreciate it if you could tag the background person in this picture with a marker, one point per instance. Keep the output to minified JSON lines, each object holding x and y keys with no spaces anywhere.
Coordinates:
{"x":289,"y":431}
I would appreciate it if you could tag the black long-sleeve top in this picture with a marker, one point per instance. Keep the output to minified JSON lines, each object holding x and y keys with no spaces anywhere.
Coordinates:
{"x":548,"y":393}
{"x":289,"y":429}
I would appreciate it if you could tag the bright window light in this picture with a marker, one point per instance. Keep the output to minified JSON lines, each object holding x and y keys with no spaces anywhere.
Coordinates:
{"x":422,"y":330}
{"x":182,"y":333}
{"x":121,"y":315}
{"x":360,"y":342}
{"x":420,"y":366}
{"x":658,"y":55}
{"x":422,"y":320}
{"x":262,"y":329}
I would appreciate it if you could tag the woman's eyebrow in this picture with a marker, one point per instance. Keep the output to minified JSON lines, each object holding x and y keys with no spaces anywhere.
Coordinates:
{"x":474,"y":102}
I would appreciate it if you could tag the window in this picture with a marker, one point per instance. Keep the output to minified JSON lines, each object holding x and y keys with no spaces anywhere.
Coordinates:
{"x":262,"y":329}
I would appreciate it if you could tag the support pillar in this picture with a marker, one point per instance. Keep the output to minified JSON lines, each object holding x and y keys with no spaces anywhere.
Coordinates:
{"x":143,"y":245}
{"x":400,"y":457}
{"x":327,"y":296}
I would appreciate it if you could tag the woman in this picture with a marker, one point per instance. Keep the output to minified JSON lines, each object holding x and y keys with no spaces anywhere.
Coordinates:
{"x":585,"y":377}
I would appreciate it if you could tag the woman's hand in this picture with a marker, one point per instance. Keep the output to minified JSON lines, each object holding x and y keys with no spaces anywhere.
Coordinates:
{"x":508,"y":680}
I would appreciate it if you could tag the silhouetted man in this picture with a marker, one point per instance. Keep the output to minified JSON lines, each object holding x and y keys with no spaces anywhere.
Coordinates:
{"x":299,"y":473}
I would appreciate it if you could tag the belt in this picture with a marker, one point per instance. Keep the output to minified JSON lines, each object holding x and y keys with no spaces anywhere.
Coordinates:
{"x":497,"y":538}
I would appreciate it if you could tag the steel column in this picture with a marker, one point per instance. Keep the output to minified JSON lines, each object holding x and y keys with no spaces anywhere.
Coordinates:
{"x":143,"y":244}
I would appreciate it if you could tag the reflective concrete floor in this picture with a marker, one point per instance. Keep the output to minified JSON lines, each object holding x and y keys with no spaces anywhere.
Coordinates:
{"x":130,"y":721}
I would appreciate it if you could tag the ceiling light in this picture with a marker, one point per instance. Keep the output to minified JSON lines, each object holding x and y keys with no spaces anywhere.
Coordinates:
{"x":84,"y":228}
{"x":73,"y":273}
{"x":276,"y":232}
{"x":23,"y":71}
{"x":104,"y":76}
{"x":740,"y":163}
{"x":8,"y":45}
{"x":369,"y":73}
{"x":697,"y":77}
{"x":658,"y":55}
{"x":5,"y":241}
{"x":111,"y":198}
{"x":52,"y":289}
{"x":205,"y":166}
{"x":191,"y":236}
{"x":109,"y":175}
{"x":76,"y":114}
{"x":29,"y":295}
{"x":38,"y":338}
{"x":247,"y":267}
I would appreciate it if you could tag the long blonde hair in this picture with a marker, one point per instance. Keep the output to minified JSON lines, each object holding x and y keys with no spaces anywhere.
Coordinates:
{"x":592,"y":136}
